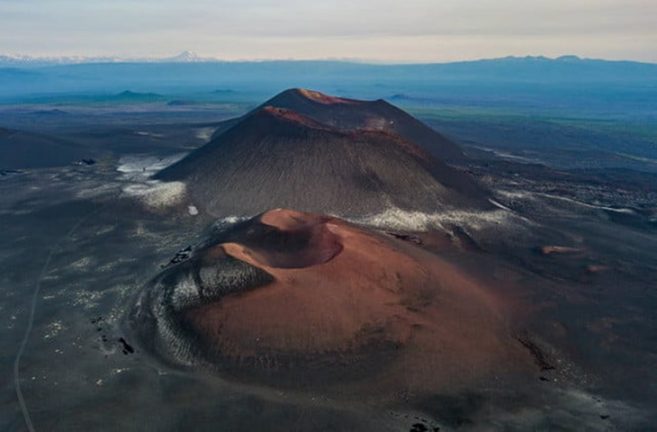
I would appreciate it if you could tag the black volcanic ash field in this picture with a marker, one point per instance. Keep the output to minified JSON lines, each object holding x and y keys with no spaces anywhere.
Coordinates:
{"x":575,"y":269}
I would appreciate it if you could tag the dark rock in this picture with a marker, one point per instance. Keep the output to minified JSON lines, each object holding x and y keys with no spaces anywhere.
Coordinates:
{"x":540,"y":357}
{"x":406,"y":237}
{"x":127,"y":348}
{"x":419,"y":427}
{"x":180,"y":256}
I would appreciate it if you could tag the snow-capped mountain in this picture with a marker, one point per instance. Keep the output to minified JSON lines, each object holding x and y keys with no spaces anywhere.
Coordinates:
{"x":26,"y":60}
{"x":186,"y":57}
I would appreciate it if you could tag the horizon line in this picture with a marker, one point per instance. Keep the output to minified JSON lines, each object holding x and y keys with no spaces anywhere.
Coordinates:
{"x":191,"y":57}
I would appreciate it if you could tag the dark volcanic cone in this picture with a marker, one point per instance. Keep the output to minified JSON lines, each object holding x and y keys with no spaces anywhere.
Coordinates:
{"x":347,"y":114}
{"x":297,"y":299}
{"x":275,"y":157}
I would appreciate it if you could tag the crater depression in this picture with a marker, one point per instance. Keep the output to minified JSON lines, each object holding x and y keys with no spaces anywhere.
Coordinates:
{"x":298,"y":295}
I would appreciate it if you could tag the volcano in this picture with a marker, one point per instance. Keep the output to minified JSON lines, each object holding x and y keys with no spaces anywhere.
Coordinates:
{"x":348,"y":114}
{"x":290,"y":297}
{"x":277,"y":157}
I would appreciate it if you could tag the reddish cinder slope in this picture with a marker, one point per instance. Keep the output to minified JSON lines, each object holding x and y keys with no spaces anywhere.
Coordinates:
{"x":347,"y":114}
{"x":343,"y":303}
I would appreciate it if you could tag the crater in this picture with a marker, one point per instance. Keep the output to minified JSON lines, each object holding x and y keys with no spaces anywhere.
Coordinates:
{"x":291,"y":298}
{"x":324,"y":98}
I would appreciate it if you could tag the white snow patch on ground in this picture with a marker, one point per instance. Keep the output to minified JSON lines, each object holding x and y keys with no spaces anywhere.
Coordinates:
{"x":397,"y":218}
{"x":230,"y":220}
{"x":53,"y":329}
{"x":149,"y":134}
{"x":137,"y":171}
{"x":144,"y":166}
{"x":193,"y":211}
{"x":583,"y":204}
{"x":514,"y":194}
{"x":86,"y":299}
{"x":157,"y":195}
{"x":499,"y":205}
{"x":82,"y":263}
{"x":534,"y":195}
{"x":204,"y":133}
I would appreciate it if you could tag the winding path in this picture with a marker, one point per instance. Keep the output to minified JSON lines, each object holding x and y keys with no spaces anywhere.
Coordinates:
{"x":30,"y":322}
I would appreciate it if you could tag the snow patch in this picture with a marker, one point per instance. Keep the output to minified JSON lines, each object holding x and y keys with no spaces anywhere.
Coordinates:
{"x":149,"y":134}
{"x":578,"y":203}
{"x":82,"y":263}
{"x":499,"y":205}
{"x":396,"y":218}
{"x":143,"y":166}
{"x":229,"y":220}
{"x":204,"y":133}
{"x":136,"y":171}
{"x":157,"y":194}
{"x":53,"y":329}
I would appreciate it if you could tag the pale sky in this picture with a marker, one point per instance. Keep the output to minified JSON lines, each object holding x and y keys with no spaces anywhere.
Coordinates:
{"x":373,"y":30}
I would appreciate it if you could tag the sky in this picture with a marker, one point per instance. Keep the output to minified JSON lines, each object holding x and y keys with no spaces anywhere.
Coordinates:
{"x":369,"y":30}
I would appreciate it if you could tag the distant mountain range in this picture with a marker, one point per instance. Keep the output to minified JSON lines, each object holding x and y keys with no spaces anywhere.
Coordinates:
{"x":192,"y":57}
{"x":26,"y":60}
{"x":566,"y":83}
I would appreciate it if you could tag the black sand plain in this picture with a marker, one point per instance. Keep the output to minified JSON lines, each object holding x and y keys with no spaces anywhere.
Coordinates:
{"x":574,"y":251}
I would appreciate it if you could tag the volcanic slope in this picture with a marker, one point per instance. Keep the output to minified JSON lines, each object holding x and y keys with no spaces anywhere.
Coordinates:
{"x":276,"y":157}
{"x":347,"y":114}
{"x":294,"y":298}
